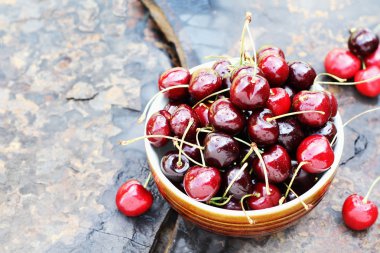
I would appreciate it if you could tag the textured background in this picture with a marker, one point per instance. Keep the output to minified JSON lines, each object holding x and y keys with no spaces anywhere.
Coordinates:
{"x":73,"y":75}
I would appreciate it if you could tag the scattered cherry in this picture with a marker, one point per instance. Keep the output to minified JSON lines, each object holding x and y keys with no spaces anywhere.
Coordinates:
{"x":342,"y":63}
{"x":363,"y":42}
{"x":369,"y":88}
{"x":373,"y":59}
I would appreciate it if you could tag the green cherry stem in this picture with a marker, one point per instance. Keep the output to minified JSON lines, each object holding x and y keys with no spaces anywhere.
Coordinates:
{"x":147,"y":180}
{"x":342,"y":81}
{"x":257,"y":151}
{"x":290,"y":114}
{"x":124,"y":143}
{"x":175,"y":143}
{"x":307,"y":207}
{"x":200,"y":151}
{"x":250,"y":151}
{"x":213,"y":201}
{"x":191,"y":121}
{"x":235,"y":178}
{"x":291,"y":181}
{"x":370,"y":190}
{"x":242,"y":38}
{"x":255,"y":194}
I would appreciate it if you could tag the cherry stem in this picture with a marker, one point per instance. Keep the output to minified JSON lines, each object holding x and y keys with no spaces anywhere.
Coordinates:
{"x":250,"y":151}
{"x":213,"y":201}
{"x":353,"y":118}
{"x":257,"y":151}
{"x":124,"y":143}
{"x":191,"y":121}
{"x":211,"y":95}
{"x":147,"y":180}
{"x":143,"y":115}
{"x":250,"y":220}
{"x":307,"y":207}
{"x":235,"y":178}
{"x":291,"y":114}
{"x":242,"y":141}
{"x":253,"y":46}
{"x":188,"y":157}
{"x":242,"y":38}
{"x":370,"y":190}
{"x":227,"y":57}
{"x":291,"y":181}
{"x":200,"y":151}
{"x":342,"y":81}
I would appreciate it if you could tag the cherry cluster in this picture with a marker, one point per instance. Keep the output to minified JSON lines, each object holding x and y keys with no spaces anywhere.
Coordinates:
{"x":361,"y":62}
{"x":258,"y":126}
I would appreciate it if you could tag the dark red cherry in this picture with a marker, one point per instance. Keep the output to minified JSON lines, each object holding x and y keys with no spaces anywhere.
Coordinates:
{"x":312,"y":101}
{"x":249,"y":92}
{"x":277,"y":162}
{"x":333,"y":103}
{"x":301,"y":75}
{"x":233,"y":204}
{"x":172,"y":106}
{"x":222,"y":67}
{"x":173,"y":170}
{"x":342,"y":63}
{"x":265,"y":200}
{"x":358,"y":215}
{"x":303,"y":181}
{"x":221,"y":150}
{"x":192,"y":152}
{"x":328,"y":130}
{"x":202,"y":183}
{"x":363,"y":42}
{"x":158,"y":124}
{"x":370,"y":88}
{"x":279,"y":101}
{"x":225,"y":117}
{"x":315,"y":150}
{"x":180,"y":119}
{"x":275,"y":70}
{"x":243,"y":184}
{"x":173,"y":77}
{"x":291,"y":133}
{"x":204,"y":82}
{"x":245,"y":70}
{"x":260,"y":131}
{"x":132,"y":199}
{"x":269,"y":50}
{"x":373,"y":59}
{"x":202,"y":112}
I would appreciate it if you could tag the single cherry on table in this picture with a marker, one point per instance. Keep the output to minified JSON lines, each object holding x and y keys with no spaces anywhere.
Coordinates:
{"x":342,"y":63}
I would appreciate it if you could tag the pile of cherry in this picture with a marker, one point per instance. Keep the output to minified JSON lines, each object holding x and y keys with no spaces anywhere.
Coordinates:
{"x":254,"y":134}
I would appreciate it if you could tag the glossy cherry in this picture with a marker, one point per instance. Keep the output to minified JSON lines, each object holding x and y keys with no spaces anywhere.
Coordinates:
{"x":265,"y":200}
{"x":192,"y":152}
{"x":202,"y":183}
{"x":373,"y":59}
{"x":241,"y":186}
{"x":249,"y":92}
{"x":180,"y":119}
{"x":225,"y":117}
{"x":279,"y":101}
{"x":221,"y":150}
{"x":333,"y":103}
{"x":277,"y":162}
{"x":342,"y":63}
{"x":260,"y":131}
{"x":358,"y":215}
{"x":275,"y":70}
{"x":173,"y":170}
{"x":290,"y":133}
{"x":363,"y":42}
{"x":328,"y":130}
{"x":244,"y":70}
{"x":173,"y":77}
{"x":171,"y":106}
{"x":202,"y":110}
{"x":370,"y":88}
{"x":312,"y":101}
{"x":222,"y":67}
{"x":269,"y":50}
{"x":204,"y":82}
{"x":317,"y":152}
{"x":301,"y":75}
{"x":132,"y":199}
{"x":158,"y":124}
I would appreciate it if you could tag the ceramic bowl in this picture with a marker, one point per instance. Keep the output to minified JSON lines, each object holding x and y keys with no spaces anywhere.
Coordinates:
{"x":235,"y":223}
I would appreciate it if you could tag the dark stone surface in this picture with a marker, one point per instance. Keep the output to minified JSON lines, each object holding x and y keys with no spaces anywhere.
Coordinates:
{"x":306,"y":31}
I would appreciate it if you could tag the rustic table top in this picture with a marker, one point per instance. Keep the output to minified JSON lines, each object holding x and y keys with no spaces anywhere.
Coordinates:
{"x":73,"y":77}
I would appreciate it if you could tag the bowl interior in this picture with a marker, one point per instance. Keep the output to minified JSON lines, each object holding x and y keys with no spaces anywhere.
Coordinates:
{"x":155,"y":155}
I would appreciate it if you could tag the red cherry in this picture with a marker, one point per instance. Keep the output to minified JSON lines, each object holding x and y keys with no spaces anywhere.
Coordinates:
{"x":180,"y":119}
{"x":173,"y":77}
{"x":172,"y":106}
{"x":373,"y":59}
{"x":277,"y":162}
{"x":359,"y":215}
{"x":204,"y":82}
{"x":158,"y":124}
{"x":244,"y":70}
{"x":370,"y":88}
{"x":317,"y":152}
{"x":312,"y":101}
{"x":202,"y":112}
{"x":265,"y":200}
{"x":269,"y":50}
{"x":202,"y":183}
{"x":342,"y":63}
{"x":249,"y":92}
{"x":279,"y":101}
{"x":132,"y":199}
{"x":333,"y":103}
{"x":225,"y":117}
{"x":275,"y":70}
